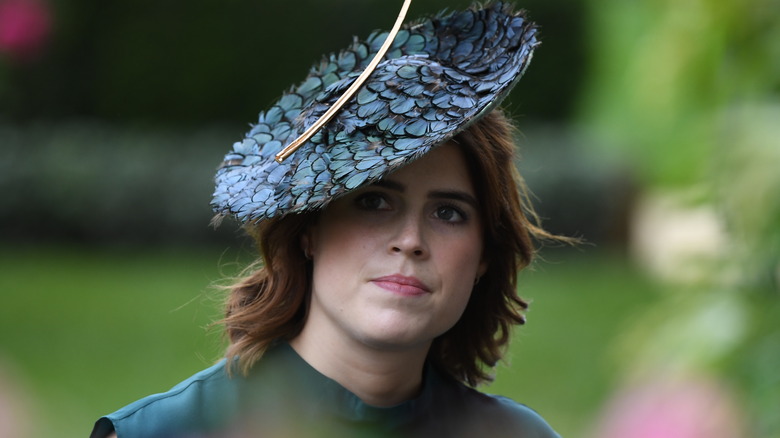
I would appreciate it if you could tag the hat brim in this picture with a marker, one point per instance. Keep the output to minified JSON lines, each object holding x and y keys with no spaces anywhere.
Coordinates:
{"x":439,"y":76}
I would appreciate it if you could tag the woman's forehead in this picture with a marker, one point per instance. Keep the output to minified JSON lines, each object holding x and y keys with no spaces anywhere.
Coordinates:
{"x":443,"y":166}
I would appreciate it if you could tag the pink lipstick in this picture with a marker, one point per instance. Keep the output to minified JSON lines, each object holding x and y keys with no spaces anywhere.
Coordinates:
{"x":402,"y":285}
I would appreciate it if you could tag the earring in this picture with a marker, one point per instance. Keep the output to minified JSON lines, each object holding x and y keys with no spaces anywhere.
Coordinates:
{"x":307,"y":254}
{"x":476,"y":280}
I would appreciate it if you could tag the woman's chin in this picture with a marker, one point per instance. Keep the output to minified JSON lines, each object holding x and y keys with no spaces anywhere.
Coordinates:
{"x":397,"y":332}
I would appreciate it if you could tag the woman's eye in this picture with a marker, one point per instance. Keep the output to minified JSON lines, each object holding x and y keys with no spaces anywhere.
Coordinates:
{"x":372,"y":201}
{"x":450,"y":214}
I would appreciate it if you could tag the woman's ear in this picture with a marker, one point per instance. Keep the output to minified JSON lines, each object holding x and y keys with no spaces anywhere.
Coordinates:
{"x":482,"y":267}
{"x":306,"y":242}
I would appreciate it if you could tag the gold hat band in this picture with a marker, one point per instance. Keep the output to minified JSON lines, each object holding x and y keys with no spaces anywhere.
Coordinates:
{"x":316,"y":126}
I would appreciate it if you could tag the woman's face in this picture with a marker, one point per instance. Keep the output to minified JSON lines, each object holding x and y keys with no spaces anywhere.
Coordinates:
{"x":395,"y":262}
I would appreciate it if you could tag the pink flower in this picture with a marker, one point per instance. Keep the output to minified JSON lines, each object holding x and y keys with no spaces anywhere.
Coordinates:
{"x":690,"y":408}
{"x":25,"y":26}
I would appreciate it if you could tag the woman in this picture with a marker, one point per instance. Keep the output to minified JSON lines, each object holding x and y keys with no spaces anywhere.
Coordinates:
{"x":390,"y":243}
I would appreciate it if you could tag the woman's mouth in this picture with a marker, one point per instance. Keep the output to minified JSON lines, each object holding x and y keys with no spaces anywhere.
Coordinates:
{"x":402,"y":285}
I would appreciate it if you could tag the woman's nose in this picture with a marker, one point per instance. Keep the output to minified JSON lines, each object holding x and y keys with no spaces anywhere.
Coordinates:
{"x":409,"y":239}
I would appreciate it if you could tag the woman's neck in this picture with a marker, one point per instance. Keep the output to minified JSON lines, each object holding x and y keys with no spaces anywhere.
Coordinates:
{"x":380,"y":377}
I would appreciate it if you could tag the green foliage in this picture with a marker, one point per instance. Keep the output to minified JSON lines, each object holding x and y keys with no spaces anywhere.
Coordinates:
{"x":748,"y":185}
{"x":689,"y":90}
{"x":662,"y":73}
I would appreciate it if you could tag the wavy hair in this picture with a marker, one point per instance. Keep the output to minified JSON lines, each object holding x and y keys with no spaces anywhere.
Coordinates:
{"x":269,"y":303}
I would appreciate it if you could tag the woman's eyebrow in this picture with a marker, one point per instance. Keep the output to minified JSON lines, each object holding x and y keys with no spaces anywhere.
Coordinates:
{"x":455,"y":195}
{"x":390,"y":185}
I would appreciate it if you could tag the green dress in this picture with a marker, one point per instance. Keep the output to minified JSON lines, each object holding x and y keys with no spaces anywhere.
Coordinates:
{"x":284,"y":396}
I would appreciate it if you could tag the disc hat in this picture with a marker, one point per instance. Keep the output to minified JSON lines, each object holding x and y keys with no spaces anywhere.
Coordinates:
{"x":438,"y":76}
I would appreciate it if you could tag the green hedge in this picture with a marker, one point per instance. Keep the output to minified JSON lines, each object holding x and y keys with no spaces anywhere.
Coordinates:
{"x":93,"y":181}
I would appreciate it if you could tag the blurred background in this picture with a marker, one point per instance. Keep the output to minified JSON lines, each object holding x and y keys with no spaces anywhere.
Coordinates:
{"x":649,"y":128}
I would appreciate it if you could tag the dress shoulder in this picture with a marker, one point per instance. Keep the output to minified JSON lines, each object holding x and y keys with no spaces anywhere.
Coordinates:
{"x":499,"y":416}
{"x":526,"y":418}
{"x":201,"y":402}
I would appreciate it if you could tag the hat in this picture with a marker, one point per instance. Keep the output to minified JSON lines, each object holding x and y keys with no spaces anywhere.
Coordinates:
{"x":438,"y":76}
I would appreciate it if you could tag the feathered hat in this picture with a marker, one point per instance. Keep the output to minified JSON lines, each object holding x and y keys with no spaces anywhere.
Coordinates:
{"x":436,"y":77}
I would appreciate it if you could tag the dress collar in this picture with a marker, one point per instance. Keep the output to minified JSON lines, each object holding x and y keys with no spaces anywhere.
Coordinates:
{"x":329,"y":397}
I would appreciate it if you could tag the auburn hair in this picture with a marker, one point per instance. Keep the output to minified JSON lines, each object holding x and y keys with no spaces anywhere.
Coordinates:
{"x":269,"y":303}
